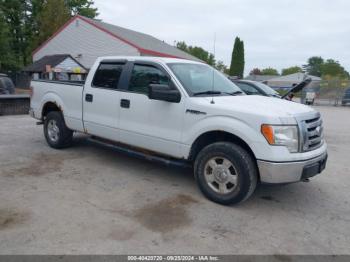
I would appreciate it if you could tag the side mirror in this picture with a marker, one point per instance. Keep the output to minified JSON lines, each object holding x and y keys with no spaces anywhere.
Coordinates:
{"x":164,"y":93}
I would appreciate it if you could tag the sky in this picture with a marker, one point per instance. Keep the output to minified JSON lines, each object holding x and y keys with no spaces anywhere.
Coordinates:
{"x":276,"y":33}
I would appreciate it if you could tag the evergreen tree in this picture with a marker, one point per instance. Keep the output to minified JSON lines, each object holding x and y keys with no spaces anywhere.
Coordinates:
{"x":53,"y":15}
{"x":82,"y":7}
{"x":32,"y":24}
{"x":242,"y":59}
{"x":25,"y":24}
{"x":6,"y":55}
{"x":13,"y":13}
{"x":237,"y":60}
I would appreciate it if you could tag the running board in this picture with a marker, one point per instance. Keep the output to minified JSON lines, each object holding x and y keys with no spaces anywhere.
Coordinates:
{"x":150,"y":156}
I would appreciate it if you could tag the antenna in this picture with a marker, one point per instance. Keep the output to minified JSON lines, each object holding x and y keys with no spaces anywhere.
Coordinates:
{"x":212,"y":84}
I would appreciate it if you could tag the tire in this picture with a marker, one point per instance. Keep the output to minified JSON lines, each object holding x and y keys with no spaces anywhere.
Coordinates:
{"x":57,"y":134}
{"x":239,"y":176}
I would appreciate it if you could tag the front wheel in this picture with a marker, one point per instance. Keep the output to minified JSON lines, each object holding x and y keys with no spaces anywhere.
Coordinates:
{"x":57,"y":134}
{"x":225,"y":173}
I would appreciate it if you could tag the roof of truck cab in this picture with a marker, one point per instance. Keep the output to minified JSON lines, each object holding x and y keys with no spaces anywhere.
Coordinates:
{"x":165,"y":60}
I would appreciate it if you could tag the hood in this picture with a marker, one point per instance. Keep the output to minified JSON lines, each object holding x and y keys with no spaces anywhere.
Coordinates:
{"x":298,"y":87}
{"x":260,"y":105}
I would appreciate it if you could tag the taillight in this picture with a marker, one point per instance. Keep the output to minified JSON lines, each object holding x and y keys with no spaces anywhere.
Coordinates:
{"x":31,"y":91}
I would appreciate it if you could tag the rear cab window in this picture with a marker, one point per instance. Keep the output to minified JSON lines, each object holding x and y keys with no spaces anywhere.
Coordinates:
{"x":108,"y":75}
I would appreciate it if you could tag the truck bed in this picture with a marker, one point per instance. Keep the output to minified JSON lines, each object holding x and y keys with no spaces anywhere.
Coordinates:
{"x":65,"y":94}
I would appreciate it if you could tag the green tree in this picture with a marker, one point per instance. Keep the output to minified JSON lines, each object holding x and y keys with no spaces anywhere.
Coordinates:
{"x":53,"y":15}
{"x":202,"y":54}
{"x":7,"y":62}
{"x":32,"y":25}
{"x":332,"y":68}
{"x":291,"y":70}
{"x":30,"y":22}
{"x":221,"y":66}
{"x":269,"y":71}
{"x":49,"y":15}
{"x":82,"y":7}
{"x":237,"y":60}
{"x":198,"y":52}
{"x":182,"y":46}
{"x":313,"y":66}
{"x":13,"y":13}
{"x":255,"y":71}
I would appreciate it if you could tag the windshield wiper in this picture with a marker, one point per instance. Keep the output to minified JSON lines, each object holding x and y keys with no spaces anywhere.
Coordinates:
{"x":213,"y":92}
{"x":209,"y":92}
{"x":233,"y":93}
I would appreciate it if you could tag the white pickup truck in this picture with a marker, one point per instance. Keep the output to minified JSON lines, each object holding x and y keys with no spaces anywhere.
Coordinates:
{"x":188,"y":112}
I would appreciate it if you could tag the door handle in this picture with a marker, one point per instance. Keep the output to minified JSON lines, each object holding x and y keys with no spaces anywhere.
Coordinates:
{"x":125,"y":103}
{"x":89,"y":97}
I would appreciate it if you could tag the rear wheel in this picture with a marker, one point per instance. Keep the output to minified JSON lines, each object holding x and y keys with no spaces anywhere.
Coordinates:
{"x":57,"y":134}
{"x":226,"y":173}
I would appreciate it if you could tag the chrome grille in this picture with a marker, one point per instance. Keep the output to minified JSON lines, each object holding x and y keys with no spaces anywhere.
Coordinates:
{"x":312,"y":133}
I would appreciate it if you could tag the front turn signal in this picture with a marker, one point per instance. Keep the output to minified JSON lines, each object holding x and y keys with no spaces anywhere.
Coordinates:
{"x":268,"y":133}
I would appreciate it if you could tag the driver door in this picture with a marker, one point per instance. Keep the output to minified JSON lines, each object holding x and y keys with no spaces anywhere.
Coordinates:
{"x":145,"y":123}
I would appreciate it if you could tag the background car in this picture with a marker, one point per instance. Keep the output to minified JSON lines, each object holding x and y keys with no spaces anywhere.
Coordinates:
{"x":346,"y":97}
{"x":6,"y":85}
{"x":255,"y":88}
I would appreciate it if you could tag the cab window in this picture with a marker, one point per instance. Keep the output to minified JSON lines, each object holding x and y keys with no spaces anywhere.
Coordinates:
{"x":144,"y":75}
{"x":107,"y":75}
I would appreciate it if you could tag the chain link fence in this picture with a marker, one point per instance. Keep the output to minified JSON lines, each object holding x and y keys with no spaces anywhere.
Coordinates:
{"x":332,"y":92}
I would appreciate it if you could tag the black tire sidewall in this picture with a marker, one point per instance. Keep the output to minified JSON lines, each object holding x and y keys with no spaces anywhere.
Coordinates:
{"x":64,"y":136}
{"x":243,"y":163}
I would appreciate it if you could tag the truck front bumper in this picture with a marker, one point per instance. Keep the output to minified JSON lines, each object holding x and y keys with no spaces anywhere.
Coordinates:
{"x":288,"y":172}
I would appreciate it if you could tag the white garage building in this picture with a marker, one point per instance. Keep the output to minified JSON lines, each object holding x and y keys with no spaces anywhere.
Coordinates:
{"x":86,"y":39}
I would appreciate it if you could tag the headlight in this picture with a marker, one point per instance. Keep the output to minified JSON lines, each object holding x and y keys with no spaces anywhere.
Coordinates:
{"x":287,"y":136}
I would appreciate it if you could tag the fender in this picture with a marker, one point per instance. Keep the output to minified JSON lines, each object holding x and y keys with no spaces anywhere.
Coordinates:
{"x":227,"y":124}
{"x":72,"y":114}
{"x":53,"y":98}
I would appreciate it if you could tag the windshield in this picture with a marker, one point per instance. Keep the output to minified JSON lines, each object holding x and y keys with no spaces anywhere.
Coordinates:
{"x":268,"y":90}
{"x":201,"y":78}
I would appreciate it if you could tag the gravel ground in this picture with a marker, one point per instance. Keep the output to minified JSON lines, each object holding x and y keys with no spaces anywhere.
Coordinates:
{"x":89,"y":199}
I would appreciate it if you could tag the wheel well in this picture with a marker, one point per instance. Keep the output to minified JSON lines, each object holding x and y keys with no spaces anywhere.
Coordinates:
{"x":217,"y":136}
{"x":49,"y":107}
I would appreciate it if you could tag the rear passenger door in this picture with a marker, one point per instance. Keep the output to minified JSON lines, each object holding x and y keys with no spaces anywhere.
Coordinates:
{"x":145,"y":123}
{"x":101,"y":100}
